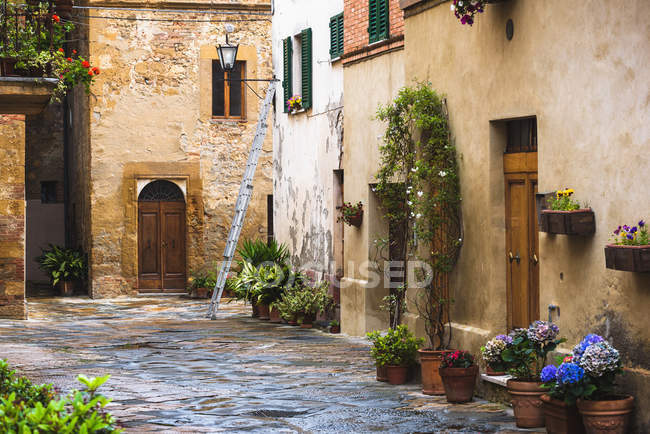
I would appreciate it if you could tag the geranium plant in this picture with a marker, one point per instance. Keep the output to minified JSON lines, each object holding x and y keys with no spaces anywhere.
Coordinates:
{"x":526,"y":354}
{"x":563,"y":201}
{"x":632,"y":236}
{"x":457,"y":359}
{"x":465,"y":10}
{"x":350,"y":213}
{"x":294,"y":103}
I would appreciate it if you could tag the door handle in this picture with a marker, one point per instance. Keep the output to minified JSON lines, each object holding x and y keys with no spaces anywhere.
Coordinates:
{"x":514,"y":258}
{"x":534,"y":259}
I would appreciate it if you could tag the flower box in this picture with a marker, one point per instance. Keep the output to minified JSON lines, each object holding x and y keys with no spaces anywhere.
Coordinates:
{"x":577,"y":222}
{"x":628,"y":258}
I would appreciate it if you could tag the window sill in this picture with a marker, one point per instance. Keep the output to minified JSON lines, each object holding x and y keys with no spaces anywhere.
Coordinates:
{"x":232,"y":121}
{"x":296,"y":112}
{"x":336,"y":59}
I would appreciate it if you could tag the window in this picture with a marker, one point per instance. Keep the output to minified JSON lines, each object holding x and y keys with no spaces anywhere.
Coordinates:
{"x":378,"y":20}
{"x":48,"y":191}
{"x":297,"y":65}
{"x":336,"y":36}
{"x":522,"y":135}
{"x":228,"y":97}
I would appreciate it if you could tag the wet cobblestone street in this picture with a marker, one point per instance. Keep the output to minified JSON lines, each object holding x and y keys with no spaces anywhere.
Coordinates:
{"x":172,"y":370}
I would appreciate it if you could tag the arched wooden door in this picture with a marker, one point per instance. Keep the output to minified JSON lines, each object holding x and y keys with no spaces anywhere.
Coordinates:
{"x":161,"y":237}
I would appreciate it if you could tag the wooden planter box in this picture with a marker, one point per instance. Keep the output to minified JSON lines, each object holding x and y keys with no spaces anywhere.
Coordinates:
{"x":578,"y":222}
{"x":628,"y":258}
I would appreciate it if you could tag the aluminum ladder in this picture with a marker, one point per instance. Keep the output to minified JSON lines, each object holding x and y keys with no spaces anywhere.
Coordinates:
{"x":243,"y":199}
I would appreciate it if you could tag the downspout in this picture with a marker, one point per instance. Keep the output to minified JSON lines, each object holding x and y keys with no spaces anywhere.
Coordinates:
{"x":66,"y":177}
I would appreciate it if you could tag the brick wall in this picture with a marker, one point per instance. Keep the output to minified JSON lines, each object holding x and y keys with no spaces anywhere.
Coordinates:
{"x":12,"y":217}
{"x":356,"y":37}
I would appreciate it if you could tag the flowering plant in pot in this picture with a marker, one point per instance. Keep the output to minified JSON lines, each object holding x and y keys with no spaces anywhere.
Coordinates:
{"x":458,"y":372}
{"x":563,"y":389}
{"x":525,"y":357}
{"x":294,"y":103}
{"x":351,"y":214}
{"x":201,"y":283}
{"x":395,"y":350}
{"x":465,"y":10}
{"x":566,"y":216}
{"x":629,"y":249}
{"x":491,"y":353}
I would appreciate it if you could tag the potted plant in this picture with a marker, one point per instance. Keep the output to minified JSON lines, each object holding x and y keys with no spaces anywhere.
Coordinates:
{"x":302,"y":302}
{"x":630,"y":249}
{"x":64,"y":266}
{"x":352,"y":215}
{"x":601,"y":407}
{"x":491,"y":353}
{"x":335,"y":327}
{"x":201,"y":283}
{"x":566,"y":216}
{"x":458,"y":373}
{"x":396,"y":351}
{"x":563,"y":389}
{"x":294,"y":104}
{"x":465,"y":10}
{"x":525,"y":358}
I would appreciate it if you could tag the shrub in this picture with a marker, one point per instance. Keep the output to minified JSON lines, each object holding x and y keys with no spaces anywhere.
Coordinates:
{"x":397,"y":347}
{"x":62,"y":264}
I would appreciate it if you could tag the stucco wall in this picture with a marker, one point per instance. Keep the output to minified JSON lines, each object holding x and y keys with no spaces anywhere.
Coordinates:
{"x":367,"y":84}
{"x":308,"y":145}
{"x":146,"y":109}
{"x":12,"y":217}
{"x":582,"y":70}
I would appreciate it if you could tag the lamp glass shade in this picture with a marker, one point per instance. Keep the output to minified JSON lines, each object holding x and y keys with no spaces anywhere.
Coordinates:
{"x":227,"y":56}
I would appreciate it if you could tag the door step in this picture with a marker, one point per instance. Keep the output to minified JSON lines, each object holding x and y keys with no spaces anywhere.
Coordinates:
{"x":149,"y":292}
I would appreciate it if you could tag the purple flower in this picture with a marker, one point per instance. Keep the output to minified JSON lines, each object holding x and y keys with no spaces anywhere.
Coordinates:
{"x":542,"y":332}
{"x":641,"y":223}
{"x":626,"y":228}
{"x":617,"y":231}
{"x":548,"y":373}
{"x":630,"y":237}
{"x":569,"y":373}
{"x":588,"y":340}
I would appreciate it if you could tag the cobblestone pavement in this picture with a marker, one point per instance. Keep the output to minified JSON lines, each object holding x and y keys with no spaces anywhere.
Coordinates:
{"x":175,"y":371}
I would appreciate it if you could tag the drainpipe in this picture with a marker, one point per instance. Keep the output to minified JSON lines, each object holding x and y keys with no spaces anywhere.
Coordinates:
{"x":66,"y":177}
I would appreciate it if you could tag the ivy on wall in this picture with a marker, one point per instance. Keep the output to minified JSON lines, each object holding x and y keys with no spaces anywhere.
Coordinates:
{"x":418,"y":163}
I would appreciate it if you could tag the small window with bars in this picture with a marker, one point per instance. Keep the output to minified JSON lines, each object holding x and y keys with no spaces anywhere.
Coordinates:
{"x":228,"y":91}
{"x":522,"y":135}
{"x":336,"y":36}
{"x":48,"y":192}
{"x":378,"y":22}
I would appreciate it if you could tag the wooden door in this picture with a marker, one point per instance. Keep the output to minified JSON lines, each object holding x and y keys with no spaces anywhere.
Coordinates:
{"x":161,"y":245}
{"x":522,"y":245}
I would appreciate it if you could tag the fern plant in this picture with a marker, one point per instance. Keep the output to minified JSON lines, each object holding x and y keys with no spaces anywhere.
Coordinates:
{"x":62,"y":264}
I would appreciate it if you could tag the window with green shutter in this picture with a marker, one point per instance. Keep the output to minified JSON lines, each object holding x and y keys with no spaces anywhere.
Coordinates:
{"x":287,"y":78}
{"x":306,"y":68}
{"x":378,"y":23}
{"x":336,"y":36}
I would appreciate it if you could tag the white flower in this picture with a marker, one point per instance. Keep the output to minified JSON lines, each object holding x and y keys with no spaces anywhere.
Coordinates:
{"x":460,"y":240}
{"x":410,"y":203}
{"x":420,"y":193}
{"x":413,"y":169}
{"x":453,"y":7}
{"x":409,"y":188}
{"x":412,"y":215}
{"x":460,"y":3}
{"x":418,"y":216}
{"x":442,"y":173}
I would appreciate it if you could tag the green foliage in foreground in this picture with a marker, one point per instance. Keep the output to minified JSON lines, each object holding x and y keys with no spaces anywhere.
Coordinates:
{"x":30,"y":409}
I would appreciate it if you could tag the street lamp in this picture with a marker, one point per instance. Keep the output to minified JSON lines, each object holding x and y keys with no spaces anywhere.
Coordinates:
{"x":227,"y":55}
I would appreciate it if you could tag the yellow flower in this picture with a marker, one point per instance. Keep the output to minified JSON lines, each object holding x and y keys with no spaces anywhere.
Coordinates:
{"x":558,"y":194}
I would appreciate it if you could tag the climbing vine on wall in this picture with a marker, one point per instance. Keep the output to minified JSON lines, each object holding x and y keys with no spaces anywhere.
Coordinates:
{"x":418,"y":163}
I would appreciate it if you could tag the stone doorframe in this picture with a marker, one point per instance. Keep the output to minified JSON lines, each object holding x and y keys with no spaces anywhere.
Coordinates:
{"x":187,"y":176}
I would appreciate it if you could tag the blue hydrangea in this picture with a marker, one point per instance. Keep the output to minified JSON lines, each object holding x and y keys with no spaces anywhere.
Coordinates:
{"x":505,"y":338}
{"x":542,"y":332}
{"x":569,"y":373}
{"x":599,"y":359}
{"x":549,"y":373}
{"x":579,"y":349}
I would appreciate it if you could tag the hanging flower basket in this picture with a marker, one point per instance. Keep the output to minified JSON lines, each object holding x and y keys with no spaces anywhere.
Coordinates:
{"x":351,"y":214}
{"x":576,"y":222}
{"x":630,"y":250}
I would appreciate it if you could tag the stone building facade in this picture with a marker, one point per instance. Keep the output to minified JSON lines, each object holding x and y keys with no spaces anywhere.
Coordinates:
{"x":308,"y":144}
{"x":149,"y":127}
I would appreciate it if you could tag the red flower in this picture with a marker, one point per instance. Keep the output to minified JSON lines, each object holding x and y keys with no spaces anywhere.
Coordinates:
{"x":56,"y":18}
{"x":96,"y":70}
{"x":74,"y":51}
{"x":69,"y":59}
{"x":61,"y":50}
{"x":90,"y":72}
{"x":85,"y":64}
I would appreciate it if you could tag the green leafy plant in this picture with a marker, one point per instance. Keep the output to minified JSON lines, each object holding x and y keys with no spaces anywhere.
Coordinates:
{"x":257,"y":252}
{"x":303,"y":302}
{"x":62,"y":264}
{"x":335,"y":323}
{"x":563,"y":202}
{"x":26,"y":408}
{"x":419,"y":191}
{"x":205,"y":278}
{"x":397,"y":347}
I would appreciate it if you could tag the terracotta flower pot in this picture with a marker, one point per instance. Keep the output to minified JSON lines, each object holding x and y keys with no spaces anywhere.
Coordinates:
{"x":430,"y":365}
{"x":459,"y":383}
{"x":335,"y":329}
{"x":66,"y":288}
{"x":492,"y":373}
{"x":527,"y":403}
{"x":274,"y":315}
{"x":382,"y":375}
{"x":306,"y":325}
{"x":293,"y":322}
{"x":200,"y":293}
{"x":611,"y":417}
{"x":355,"y":220}
{"x":561,"y":418}
{"x":396,"y":374}
{"x":256,"y":311}
{"x":264,"y":313}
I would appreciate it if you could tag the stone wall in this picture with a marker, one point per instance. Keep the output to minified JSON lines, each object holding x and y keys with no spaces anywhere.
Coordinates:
{"x":12,"y":217}
{"x":148,"y":108}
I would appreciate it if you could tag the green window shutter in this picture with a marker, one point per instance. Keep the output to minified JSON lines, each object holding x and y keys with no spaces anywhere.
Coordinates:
{"x":336,"y":36}
{"x":306,"y":68}
{"x":378,"y":22}
{"x":287,"y":78}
